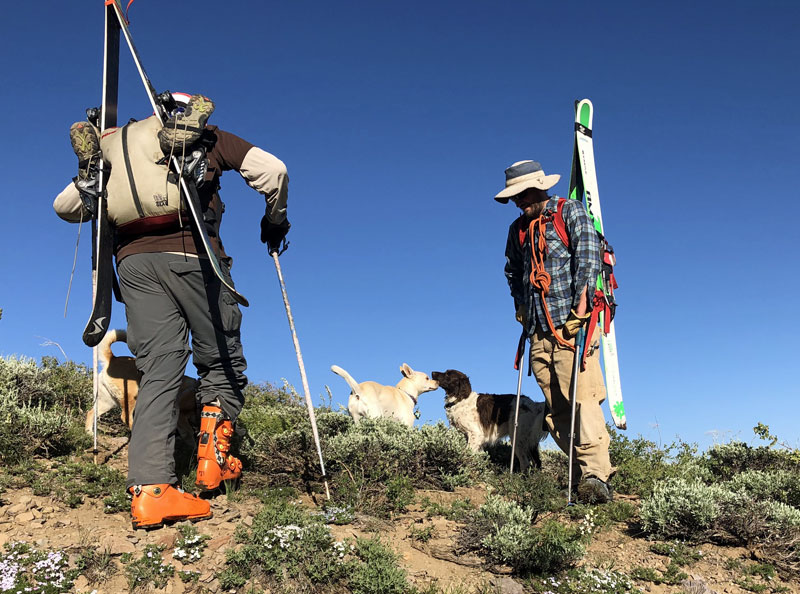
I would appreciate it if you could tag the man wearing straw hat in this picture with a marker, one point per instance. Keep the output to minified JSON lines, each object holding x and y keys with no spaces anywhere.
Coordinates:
{"x":551,"y":281}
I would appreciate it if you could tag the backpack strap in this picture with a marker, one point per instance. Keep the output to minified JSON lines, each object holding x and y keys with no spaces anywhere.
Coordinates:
{"x":129,"y":171}
{"x":558,"y":222}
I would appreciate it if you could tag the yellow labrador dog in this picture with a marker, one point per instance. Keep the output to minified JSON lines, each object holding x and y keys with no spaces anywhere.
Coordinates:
{"x":118,"y":385}
{"x":371,"y":399}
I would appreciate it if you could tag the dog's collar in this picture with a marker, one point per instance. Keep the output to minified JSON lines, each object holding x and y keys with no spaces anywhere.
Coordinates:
{"x":414,"y":400}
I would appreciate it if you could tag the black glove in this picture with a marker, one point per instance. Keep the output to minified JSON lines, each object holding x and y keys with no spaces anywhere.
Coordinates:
{"x":273,"y":233}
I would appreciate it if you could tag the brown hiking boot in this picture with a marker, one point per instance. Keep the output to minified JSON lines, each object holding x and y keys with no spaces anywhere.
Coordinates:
{"x":86,"y":144}
{"x":214,"y":463}
{"x":185,"y":128}
{"x":153,"y":505}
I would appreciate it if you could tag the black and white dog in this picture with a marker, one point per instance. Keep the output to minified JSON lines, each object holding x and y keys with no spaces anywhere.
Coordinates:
{"x":487,"y":418}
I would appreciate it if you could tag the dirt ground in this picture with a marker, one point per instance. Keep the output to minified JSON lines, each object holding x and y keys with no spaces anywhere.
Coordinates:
{"x":48,"y":524}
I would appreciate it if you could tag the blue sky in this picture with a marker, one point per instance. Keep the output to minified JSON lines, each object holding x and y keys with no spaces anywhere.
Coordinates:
{"x":396,"y":121}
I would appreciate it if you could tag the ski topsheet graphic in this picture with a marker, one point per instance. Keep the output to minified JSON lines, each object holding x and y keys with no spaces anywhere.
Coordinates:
{"x":101,"y":314}
{"x":583,"y":186}
{"x":102,"y":233}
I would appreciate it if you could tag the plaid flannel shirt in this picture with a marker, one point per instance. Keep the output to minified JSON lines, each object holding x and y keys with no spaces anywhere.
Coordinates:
{"x":571,"y":269}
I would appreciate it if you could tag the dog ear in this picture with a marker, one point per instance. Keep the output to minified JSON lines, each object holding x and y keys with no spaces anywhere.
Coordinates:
{"x":406,"y":370}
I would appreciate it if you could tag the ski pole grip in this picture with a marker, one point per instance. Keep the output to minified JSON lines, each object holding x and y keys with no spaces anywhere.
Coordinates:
{"x":580,"y":342}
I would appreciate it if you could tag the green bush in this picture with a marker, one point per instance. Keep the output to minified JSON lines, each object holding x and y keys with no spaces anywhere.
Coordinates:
{"x":293,"y":549}
{"x":399,"y":493}
{"x":641,"y":464}
{"x":283,"y":542}
{"x":67,"y":386}
{"x":41,"y":408}
{"x":681,"y":509}
{"x":277,"y":441}
{"x":693,"y":511}
{"x":507,"y":536}
{"x":368,"y":456}
{"x":70,"y":482}
{"x":750,"y":520}
{"x":764,"y":485}
{"x":383,"y":448}
{"x":672,"y":575}
{"x":678,"y":552}
{"x":538,"y":491}
{"x":458,"y":510}
{"x":377,"y":572}
{"x":727,"y":460}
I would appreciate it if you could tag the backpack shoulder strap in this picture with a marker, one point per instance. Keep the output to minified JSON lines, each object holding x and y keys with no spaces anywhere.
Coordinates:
{"x":558,"y":222}
{"x":522,"y":230}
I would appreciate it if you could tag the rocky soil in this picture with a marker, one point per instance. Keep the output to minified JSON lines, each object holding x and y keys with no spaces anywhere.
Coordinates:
{"x":48,"y":524}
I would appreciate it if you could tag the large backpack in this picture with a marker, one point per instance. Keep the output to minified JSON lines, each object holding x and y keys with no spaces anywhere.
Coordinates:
{"x":143,"y":195}
{"x":603,"y":301}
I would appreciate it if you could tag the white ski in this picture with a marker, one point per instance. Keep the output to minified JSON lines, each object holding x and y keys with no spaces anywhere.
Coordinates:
{"x":584,"y":154}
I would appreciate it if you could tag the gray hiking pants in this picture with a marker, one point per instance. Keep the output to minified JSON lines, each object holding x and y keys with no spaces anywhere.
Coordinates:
{"x":169,"y":297}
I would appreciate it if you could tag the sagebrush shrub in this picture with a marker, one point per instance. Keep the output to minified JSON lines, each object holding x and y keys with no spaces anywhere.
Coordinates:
{"x":384,"y":448}
{"x":505,"y":533}
{"x":41,"y":408}
{"x":727,"y":460}
{"x":681,"y":509}
{"x":277,"y":440}
{"x":764,"y":485}
{"x":378,"y":571}
{"x":535,"y":490}
{"x":286,"y":542}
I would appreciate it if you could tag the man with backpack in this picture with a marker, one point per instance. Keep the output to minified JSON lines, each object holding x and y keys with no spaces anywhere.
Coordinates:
{"x":553,"y":258}
{"x":174,"y":303}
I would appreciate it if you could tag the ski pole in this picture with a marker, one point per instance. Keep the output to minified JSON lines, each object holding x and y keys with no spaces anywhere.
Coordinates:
{"x":521,"y":364}
{"x":580,"y":340}
{"x":310,"y":406}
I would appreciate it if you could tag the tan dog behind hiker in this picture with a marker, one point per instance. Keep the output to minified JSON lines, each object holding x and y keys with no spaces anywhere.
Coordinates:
{"x":372,"y":400}
{"x":118,"y":385}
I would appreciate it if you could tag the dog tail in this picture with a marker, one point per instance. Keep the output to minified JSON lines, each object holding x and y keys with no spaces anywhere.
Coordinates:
{"x":347,"y":377}
{"x":104,"y":348}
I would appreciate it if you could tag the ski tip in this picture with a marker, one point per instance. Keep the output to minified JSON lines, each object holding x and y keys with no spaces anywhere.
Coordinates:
{"x":623,"y":424}
{"x":584,"y":112}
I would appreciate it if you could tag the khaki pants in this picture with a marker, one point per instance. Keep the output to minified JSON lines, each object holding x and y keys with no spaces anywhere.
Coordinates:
{"x":552,"y":365}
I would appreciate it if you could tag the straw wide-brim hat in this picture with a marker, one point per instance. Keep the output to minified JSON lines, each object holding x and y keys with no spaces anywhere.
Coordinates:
{"x":523,"y":175}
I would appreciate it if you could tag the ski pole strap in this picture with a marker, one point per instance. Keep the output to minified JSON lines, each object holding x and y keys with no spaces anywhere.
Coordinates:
{"x":520,"y":350}
{"x":539,"y":277}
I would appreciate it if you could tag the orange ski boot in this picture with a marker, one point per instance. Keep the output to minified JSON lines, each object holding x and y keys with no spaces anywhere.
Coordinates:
{"x":153,"y":505}
{"x":214,"y":463}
